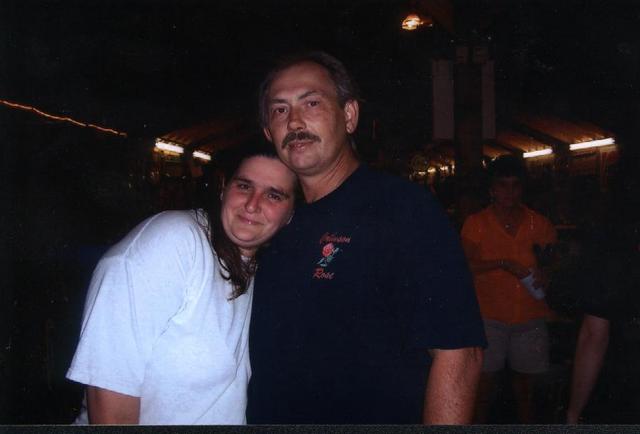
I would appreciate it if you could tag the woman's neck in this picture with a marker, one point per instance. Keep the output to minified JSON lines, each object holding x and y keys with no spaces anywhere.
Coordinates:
{"x":509,"y":217}
{"x":507,"y":212}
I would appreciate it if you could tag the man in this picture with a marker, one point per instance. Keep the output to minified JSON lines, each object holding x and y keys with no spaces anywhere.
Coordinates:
{"x":368,"y":281}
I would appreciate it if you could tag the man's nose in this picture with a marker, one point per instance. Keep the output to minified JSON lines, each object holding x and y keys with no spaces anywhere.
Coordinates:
{"x":295,"y":120}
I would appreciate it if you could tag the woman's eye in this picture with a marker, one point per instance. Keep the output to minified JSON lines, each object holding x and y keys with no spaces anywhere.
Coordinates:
{"x":242,"y":186}
{"x":279,"y":110}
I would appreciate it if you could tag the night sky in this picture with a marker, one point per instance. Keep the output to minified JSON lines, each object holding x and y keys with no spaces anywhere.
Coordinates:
{"x":147,"y":67}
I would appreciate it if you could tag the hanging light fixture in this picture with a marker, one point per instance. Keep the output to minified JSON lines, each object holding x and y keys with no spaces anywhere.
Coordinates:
{"x":413,"y":21}
{"x":538,"y":153}
{"x":592,"y":144}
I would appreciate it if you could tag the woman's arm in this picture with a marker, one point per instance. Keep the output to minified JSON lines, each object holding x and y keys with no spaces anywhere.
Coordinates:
{"x":478,"y":265}
{"x":112,"y":408}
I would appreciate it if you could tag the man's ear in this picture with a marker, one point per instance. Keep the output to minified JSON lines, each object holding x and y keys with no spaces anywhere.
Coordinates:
{"x":351,"y":114}
{"x":267,"y":134}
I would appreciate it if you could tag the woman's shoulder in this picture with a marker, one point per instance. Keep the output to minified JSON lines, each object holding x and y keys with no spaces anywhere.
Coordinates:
{"x":479,"y":217}
{"x":536,"y":217}
{"x":167,"y":228}
{"x":476,"y":224}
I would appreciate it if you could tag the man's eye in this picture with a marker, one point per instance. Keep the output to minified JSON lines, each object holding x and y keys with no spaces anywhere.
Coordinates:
{"x":279,"y":110}
{"x":313,"y":103}
{"x":276,"y":197}
{"x":242,"y":186}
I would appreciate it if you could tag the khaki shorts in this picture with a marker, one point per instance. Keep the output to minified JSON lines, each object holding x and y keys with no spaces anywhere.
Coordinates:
{"x":525,"y":346}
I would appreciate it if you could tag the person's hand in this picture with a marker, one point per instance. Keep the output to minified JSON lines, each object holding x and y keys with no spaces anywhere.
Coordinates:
{"x":573,"y":418}
{"x":541,"y":278}
{"x":514,"y":268}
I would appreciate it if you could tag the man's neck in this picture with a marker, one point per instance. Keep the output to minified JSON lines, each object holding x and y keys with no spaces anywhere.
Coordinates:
{"x":316,"y":187}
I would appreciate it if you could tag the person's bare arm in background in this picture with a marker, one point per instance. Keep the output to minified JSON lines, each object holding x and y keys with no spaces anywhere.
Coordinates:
{"x":593,"y":340}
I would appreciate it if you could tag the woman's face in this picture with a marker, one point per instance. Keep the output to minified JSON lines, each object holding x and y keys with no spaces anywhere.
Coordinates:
{"x":506,"y":191}
{"x":257,"y":201}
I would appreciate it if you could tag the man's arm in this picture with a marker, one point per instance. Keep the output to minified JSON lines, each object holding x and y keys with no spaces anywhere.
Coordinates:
{"x":593,"y":340}
{"x":112,"y":408}
{"x":451,"y":388}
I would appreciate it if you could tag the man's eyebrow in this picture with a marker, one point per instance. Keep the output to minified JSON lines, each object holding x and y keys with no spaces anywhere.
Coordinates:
{"x":309,"y":93}
{"x":303,"y":96}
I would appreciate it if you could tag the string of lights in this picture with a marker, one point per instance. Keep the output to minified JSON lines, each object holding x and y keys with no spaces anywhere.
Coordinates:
{"x":62,"y":118}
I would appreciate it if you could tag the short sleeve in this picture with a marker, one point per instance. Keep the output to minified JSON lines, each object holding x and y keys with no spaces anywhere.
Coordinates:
{"x":433,"y":271}
{"x":136,"y":288}
{"x":549,"y":234}
{"x":471,"y":230}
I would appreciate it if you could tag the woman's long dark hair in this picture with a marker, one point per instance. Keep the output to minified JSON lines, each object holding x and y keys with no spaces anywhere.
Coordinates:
{"x":234,"y":267}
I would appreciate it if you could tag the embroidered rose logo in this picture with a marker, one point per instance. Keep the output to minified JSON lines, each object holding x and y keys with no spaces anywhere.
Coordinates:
{"x":329,"y":251}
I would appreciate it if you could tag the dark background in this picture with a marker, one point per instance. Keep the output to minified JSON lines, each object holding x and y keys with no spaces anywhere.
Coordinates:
{"x":149,"y":67}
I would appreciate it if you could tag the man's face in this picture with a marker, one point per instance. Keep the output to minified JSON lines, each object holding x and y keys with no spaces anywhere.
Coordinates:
{"x":256,"y":202}
{"x":306,"y":123}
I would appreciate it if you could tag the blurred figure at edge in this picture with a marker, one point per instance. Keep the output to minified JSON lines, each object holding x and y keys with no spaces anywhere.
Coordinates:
{"x":609,"y":335}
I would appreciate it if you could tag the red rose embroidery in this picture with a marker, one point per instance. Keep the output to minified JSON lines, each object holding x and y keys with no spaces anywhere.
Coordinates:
{"x":327,"y":250}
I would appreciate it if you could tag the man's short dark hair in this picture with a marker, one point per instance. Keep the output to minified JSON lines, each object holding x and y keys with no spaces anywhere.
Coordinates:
{"x":506,"y":166}
{"x":346,"y":87}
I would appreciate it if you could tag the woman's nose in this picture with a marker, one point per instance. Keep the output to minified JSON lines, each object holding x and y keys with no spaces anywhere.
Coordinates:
{"x":253,"y":202}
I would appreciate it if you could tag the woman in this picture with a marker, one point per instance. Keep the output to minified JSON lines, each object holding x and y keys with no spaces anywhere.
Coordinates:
{"x":164,"y":333}
{"x":499,"y":243}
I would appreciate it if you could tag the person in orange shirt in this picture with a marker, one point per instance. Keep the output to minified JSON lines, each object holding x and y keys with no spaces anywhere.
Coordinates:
{"x":499,"y":243}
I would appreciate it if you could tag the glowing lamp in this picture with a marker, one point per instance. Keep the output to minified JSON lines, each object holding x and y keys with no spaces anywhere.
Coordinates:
{"x":413,"y":21}
{"x":538,"y":153}
{"x":202,"y":155}
{"x":169,"y":146}
{"x":592,"y":144}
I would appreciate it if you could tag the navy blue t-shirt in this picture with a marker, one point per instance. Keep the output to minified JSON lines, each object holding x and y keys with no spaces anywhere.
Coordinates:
{"x":347,"y":300}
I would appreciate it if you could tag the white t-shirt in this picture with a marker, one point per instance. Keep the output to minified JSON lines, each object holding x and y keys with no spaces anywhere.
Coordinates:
{"x":158,"y":324}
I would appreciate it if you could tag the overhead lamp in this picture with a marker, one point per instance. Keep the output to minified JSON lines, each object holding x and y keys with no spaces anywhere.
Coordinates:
{"x":592,"y":144}
{"x":202,"y":155}
{"x":413,"y":21}
{"x":538,"y":153}
{"x":169,"y":146}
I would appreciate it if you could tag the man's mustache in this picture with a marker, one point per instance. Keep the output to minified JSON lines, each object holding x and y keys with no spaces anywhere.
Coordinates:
{"x":300,"y":135}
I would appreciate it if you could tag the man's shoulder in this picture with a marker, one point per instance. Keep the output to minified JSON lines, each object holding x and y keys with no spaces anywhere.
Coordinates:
{"x":391,"y":189}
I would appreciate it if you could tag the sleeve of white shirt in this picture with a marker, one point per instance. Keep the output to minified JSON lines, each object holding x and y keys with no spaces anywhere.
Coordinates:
{"x":136,"y":288}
